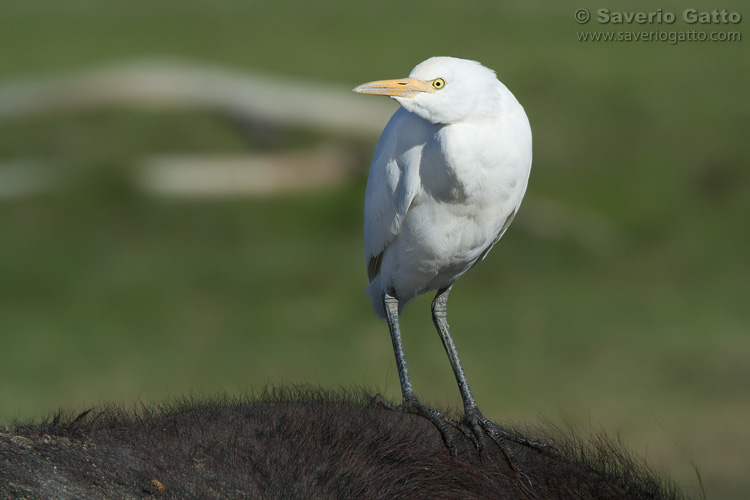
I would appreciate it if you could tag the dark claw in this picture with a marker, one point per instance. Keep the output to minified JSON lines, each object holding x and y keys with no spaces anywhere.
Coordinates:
{"x":379,"y":400}
{"x":413,"y":406}
{"x":480,"y":426}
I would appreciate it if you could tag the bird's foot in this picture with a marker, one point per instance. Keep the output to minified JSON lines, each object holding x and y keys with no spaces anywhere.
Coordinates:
{"x":439,"y":420}
{"x":480,"y":427}
{"x":379,"y":400}
{"x":414,"y":406}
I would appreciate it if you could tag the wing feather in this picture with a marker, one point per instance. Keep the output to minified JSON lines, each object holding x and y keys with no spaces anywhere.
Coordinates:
{"x":392,"y":184}
{"x":500,"y":234}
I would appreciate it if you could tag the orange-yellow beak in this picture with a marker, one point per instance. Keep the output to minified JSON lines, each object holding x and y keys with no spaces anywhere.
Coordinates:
{"x":406,"y":87}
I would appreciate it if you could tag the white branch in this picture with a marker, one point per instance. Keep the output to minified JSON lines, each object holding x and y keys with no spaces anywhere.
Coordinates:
{"x":173,"y":83}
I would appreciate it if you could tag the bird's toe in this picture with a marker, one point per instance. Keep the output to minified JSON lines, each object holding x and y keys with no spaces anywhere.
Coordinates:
{"x":412,"y":405}
{"x":481,"y":426}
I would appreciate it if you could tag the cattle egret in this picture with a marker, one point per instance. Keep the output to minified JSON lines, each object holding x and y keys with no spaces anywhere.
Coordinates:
{"x":446,"y":179}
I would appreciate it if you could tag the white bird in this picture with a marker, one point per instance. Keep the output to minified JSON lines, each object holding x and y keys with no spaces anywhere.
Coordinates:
{"x":446,"y":179}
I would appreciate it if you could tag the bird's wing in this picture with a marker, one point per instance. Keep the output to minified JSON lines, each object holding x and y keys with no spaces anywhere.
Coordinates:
{"x":392,"y":184}
{"x":500,"y":234}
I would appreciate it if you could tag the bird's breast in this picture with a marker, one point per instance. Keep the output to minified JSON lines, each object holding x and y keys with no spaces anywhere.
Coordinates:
{"x":472,"y":179}
{"x":472,"y":165}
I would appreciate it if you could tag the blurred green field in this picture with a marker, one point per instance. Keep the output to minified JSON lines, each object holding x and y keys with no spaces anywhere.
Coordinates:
{"x":108,"y":294}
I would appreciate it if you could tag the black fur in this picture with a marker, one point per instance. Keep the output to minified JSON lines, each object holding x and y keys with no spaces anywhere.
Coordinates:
{"x":296,"y":444}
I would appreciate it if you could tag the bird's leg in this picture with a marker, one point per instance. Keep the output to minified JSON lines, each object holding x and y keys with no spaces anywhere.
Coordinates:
{"x":472,"y":416}
{"x":390,"y":302}
{"x":410,"y":401}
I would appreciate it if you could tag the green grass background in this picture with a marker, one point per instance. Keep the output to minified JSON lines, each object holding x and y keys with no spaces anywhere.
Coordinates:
{"x":107,"y":294}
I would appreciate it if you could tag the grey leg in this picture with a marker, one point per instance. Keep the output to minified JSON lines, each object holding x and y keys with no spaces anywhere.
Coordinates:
{"x":391,"y":312}
{"x":439,"y":317}
{"x":410,"y":402}
{"x":472,"y":416}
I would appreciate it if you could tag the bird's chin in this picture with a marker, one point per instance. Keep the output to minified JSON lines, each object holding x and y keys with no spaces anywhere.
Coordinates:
{"x":412,"y":105}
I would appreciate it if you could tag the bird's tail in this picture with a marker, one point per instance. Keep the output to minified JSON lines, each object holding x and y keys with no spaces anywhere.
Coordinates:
{"x":375,"y":291}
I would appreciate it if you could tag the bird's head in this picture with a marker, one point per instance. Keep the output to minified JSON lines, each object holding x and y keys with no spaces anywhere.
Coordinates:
{"x":443,"y":90}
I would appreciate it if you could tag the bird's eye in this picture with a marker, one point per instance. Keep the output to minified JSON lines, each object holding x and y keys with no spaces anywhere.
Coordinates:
{"x":438,"y":84}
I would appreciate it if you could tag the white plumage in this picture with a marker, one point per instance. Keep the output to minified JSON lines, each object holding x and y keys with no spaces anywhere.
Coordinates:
{"x":446,"y":180}
{"x":447,"y":176}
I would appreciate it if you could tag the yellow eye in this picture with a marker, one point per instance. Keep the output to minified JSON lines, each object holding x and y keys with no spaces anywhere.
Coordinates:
{"x":438,"y":83}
